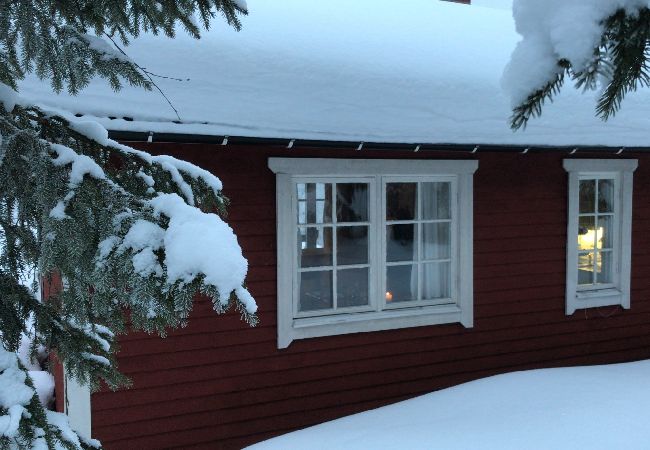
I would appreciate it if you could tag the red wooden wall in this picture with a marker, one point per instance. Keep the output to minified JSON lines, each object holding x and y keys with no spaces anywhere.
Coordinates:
{"x":220,"y":384}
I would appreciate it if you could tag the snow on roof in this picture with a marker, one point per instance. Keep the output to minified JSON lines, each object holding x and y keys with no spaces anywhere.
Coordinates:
{"x":369,"y":70}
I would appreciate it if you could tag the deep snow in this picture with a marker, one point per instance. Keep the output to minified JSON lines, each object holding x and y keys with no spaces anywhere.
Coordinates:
{"x":597,"y":407}
{"x":423,"y":72}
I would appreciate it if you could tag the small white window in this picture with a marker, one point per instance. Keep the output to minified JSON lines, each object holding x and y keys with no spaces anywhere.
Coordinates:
{"x":366,"y":245}
{"x":599,"y":233}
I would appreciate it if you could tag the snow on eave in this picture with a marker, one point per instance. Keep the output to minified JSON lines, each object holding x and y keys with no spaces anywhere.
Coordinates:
{"x":427,"y":72}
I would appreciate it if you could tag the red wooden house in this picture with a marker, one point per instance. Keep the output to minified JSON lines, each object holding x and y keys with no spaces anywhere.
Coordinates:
{"x":400,"y":238}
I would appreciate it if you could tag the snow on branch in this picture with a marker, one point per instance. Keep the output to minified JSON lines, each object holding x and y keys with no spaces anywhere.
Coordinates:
{"x":600,"y":44}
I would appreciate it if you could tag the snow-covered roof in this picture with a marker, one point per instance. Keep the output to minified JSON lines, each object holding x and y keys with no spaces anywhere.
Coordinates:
{"x":421,"y":71}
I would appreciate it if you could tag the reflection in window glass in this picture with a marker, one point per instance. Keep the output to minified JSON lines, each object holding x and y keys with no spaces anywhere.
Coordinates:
{"x":351,"y":202}
{"x":352,"y":287}
{"x":605,"y":195}
{"x":315,"y":291}
{"x":314,"y":203}
{"x":315,"y":246}
{"x":436,"y":240}
{"x":595,"y":231}
{"x":400,"y":242}
{"x":401,"y":201}
{"x":436,"y":280}
{"x":435,"y":201}
{"x":351,"y":245}
{"x":401,"y":283}
{"x":587,"y":199}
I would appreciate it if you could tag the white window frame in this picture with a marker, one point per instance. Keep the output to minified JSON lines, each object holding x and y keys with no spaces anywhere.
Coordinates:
{"x":291,"y":326}
{"x":617,"y":292}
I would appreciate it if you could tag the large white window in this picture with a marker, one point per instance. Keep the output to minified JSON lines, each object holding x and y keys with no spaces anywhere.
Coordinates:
{"x":599,"y":233}
{"x":367,"y":245}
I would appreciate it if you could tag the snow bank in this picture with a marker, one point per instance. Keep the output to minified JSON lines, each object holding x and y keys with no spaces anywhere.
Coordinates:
{"x":598,"y":407}
{"x":369,"y":70}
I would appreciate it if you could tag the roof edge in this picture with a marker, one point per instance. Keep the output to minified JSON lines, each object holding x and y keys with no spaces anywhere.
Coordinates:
{"x":188,"y":138}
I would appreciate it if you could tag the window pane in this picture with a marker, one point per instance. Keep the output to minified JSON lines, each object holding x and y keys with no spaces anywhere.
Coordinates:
{"x":314,"y":246}
{"x":605,"y":195}
{"x":401,"y":201}
{"x":401,"y":283}
{"x":314,"y":202}
{"x":586,"y":268}
{"x":586,"y":233}
{"x":436,"y":240}
{"x":352,"y":245}
{"x":352,"y":202}
{"x":400,"y":241}
{"x":435,"y":201}
{"x":315,"y":290}
{"x":604,"y":235}
{"x":352,"y":287}
{"x":604,"y":267}
{"x":587,"y":196}
{"x":436,"y":279}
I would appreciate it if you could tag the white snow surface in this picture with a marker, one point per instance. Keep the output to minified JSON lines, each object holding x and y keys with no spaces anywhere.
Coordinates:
{"x":369,"y":70}
{"x":553,"y":30}
{"x":596,"y":408}
{"x":199,"y":243}
{"x":15,"y":395}
{"x":8,"y":97}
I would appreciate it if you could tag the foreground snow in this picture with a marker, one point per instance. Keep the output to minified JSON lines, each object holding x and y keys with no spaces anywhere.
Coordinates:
{"x":597,"y":407}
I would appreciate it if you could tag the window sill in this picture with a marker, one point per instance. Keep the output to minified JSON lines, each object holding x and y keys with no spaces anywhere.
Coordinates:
{"x":595,"y":298}
{"x":373,"y":321}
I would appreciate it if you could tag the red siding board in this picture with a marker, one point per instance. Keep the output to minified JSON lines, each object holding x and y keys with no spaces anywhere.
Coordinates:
{"x":220,"y":384}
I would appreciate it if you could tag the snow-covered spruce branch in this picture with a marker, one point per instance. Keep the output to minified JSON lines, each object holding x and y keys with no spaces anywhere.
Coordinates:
{"x":599,"y":45}
{"x":123,"y":230}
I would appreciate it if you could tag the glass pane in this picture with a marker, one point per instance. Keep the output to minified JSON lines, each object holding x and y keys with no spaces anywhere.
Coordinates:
{"x":605,"y":195}
{"x":401,"y":200}
{"x":401,"y":283}
{"x":400,"y":240}
{"x":586,"y":268}
{"x":436,"y":281}
{"x":352,"y":245}
{"x":604,"y":267}
{"x":604,"y":234}
{"x":314,"y":246}
{"x":315,"y":291}
{"x":586,"y":233}
{"x":436,"y":240}
{"x":435,"y":201}
{"x":352,"y":202}
{"x":587,"y":196}
{"x":352,"y":287}
{"x":314,"y":202}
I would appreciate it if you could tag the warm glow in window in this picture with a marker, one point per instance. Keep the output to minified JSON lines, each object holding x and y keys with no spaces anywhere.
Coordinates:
{"x":595,"y":222}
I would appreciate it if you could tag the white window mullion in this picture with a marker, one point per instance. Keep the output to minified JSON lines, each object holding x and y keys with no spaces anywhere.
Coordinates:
{"x":382,"y":256}
{"x":334,"y":249}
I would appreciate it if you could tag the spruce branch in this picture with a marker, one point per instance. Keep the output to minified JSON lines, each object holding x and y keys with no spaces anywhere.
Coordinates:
{"x":532,"y":106}
{"x":619,"y":64}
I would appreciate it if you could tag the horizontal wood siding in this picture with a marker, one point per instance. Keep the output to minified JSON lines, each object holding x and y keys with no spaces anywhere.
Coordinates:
{"x":220,"y":384}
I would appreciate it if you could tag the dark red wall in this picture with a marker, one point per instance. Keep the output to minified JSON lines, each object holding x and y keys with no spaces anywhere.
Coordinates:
{"x":220,"y":384}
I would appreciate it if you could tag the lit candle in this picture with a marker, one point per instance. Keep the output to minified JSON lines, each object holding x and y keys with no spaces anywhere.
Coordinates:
{"x":389,"y":296}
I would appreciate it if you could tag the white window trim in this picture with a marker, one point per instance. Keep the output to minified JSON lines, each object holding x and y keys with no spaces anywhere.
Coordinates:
{"x":618,"y":294}
{"x":290,"y":328}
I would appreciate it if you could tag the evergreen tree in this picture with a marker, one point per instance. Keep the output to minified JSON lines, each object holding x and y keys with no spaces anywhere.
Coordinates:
{"x":103,"y":219}
{"x":618,"y":64}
